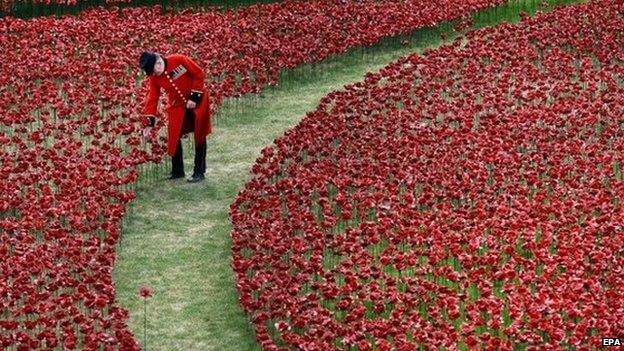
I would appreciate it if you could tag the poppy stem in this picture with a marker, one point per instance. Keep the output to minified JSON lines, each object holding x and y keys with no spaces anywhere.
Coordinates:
{"x":145,"y":323}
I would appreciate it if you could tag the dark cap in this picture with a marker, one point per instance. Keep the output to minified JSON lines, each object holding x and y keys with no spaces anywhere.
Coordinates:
{"x":147,"y":62}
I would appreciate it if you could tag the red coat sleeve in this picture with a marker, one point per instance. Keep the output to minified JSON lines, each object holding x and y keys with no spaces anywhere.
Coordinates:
{"x":197,"y":73}
{"x":150,"y":108}
{"x":151,"y":101}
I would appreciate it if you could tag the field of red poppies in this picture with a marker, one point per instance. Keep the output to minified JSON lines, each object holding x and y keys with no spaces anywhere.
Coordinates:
{"x":70,"y":93}
{"x":467,"y":199}
{"x":35,"y":8}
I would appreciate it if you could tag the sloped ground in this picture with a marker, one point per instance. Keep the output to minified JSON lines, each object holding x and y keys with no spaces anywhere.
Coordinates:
{"x":176,"y":239}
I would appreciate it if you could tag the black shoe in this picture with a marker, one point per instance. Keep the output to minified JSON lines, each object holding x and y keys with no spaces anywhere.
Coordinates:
{"x":196,"y":178}
{"x":173,"y":176}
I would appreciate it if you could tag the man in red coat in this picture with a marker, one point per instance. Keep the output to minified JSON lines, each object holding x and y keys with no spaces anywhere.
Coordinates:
{"x":188,"y":109}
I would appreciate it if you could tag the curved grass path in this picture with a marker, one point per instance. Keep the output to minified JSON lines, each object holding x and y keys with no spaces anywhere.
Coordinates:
{"x":176,"y":238}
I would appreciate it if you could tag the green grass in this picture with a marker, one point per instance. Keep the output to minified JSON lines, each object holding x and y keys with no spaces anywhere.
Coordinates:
{"x":176,"y":235}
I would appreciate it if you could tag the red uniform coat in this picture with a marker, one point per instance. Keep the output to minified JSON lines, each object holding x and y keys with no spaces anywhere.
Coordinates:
{"x":181,"y":77}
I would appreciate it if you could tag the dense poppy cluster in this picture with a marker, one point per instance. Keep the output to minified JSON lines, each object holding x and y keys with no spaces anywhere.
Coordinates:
{"x":467,"y":199}
{"x":244,"y":50}
{"x":69,"y":129}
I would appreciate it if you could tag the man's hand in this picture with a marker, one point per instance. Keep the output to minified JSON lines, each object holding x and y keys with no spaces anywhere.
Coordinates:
{"x":191,"y":104}
{"x":147,"y":133}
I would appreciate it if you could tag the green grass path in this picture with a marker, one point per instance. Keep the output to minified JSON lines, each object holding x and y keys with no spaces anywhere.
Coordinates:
{"x":176,"y":240}
{"x":176,"y":237}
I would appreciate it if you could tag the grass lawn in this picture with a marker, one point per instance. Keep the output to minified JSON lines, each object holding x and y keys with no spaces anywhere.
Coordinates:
{"x":176,"y":237}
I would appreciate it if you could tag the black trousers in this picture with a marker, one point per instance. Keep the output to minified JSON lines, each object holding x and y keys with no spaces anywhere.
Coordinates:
{"x":177,"y":161}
